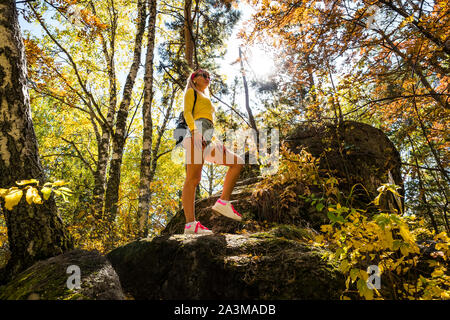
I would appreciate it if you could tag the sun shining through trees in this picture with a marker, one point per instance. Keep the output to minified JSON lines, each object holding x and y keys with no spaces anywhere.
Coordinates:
{"x":260,"y":62}
{"x":258,"y":57}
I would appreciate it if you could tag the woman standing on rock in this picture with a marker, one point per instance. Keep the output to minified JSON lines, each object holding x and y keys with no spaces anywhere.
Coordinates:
{"x":199,"y":148}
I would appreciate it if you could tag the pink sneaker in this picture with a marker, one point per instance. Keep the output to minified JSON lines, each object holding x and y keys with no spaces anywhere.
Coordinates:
{"x":227,"y":210}
{"x":196,"y":228}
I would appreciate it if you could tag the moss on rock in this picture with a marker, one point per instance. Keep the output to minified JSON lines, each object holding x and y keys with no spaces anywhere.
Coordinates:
{"x":47,"y":279}
{"x":226,"y":266}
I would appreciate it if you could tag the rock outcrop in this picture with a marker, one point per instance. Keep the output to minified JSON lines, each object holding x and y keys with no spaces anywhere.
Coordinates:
{"x":47,"y":279}
{"x":278,"y":264}
{"x":357,"y":154}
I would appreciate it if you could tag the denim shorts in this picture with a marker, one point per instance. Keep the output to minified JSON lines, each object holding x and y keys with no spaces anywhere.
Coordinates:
{"x":206,"y":128}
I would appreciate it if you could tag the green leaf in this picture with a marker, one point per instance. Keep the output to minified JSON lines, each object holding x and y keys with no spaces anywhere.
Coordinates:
{"x":340,"y":219}
{"x":361,"y":286}
{"x":332,"y":217}
{"x":65,"y":190}
{"x":319,"y":206}
{"x":344,"y":266}
{"x":396,"y":244}
{"x":354,"y":274}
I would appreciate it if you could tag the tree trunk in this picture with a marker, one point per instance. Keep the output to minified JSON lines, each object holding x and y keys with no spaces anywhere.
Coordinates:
{"x":35,"y":231}
{"x":119,"y":137}
{"x":251,"y":118}
{"x":145,"y":190}
{"x":104,"y":141}
{"x":188,"y":39}
{"x":147,"y":140}
{"x":103,"y":145}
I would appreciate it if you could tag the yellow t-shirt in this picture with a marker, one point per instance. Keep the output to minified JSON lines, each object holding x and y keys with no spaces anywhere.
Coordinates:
{"x":203,"y":108}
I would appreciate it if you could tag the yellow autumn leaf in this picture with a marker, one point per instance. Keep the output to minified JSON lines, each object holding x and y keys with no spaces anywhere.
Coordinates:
{"x":404,"y":250}
{"x":24,"y":182}
{"x":437,"y":273}
{"x":13,"y":198}
{"x":363,"y":274}
{"x":46,"y":192}
{"x":33,"y":196}
{"x":376,"y":201}
{"x":368,"y":294}
{"x":3,"y":192}
{"x":344,"y":266}
{"x":59,"y":183}
{"x":406,"y":235}
{"x":389,"y":241}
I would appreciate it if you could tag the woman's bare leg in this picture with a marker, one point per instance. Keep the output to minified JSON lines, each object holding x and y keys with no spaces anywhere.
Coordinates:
{"x":234,"y":163}
{"x":193,"y":177}
{"x":230,"y":181}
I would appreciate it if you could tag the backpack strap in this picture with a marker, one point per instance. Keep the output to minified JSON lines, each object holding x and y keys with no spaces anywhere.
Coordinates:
{"x":195,"y":100}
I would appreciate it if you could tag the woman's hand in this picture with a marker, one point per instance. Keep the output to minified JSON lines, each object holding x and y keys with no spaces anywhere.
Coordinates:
{"x":219,"y":147}
{"x":198,"y":139}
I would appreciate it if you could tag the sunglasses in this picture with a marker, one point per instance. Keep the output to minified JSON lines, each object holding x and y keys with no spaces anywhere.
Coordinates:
{"x":201,"y":74}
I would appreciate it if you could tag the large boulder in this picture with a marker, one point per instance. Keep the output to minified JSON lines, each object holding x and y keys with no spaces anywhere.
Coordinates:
{"x":47,"y":279}
{"x":360,"y":156}
{"x":278,"y":264}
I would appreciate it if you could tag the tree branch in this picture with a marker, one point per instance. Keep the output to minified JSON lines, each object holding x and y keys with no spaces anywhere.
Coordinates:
{"x":79,"y":154}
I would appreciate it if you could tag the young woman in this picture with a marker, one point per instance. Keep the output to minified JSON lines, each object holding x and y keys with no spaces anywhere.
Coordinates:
{"x":199,"y":148}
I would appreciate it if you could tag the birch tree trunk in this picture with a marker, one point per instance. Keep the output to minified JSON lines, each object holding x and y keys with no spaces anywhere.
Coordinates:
{"x":119,"y":137}
{"x":147,"y":139}
{"x":104,"y":140}
{"x":35,"y":231}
